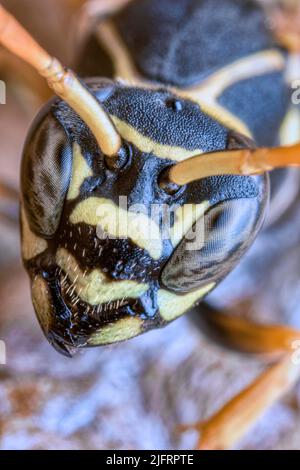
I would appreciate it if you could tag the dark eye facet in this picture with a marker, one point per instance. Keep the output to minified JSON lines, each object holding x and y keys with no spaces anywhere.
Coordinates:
{"x":214,"y":245}
{"x":46,"y":173}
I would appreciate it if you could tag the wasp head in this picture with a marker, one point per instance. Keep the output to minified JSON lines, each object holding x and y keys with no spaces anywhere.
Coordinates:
{"x":110,"y":252}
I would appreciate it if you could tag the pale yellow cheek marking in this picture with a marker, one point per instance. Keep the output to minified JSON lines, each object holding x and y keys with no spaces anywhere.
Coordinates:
{"x":146,"y":145}
{"x":32,"y":245}
{"x":172,"y":306}
{"x":120,"y":223}
{"x":41,"y":302}
{"x":119,"y":331}
{"x":185,"y":218}
{"x":80,"y":171}
{"x":95,"y":288}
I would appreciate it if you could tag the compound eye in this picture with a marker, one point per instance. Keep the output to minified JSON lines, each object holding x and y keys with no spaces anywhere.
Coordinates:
{"x":46,"y":173}
{"x":216,"y":243}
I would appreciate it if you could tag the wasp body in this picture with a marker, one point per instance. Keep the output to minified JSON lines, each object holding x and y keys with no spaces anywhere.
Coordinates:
{"x":186,"y":93}
{"x":201,"y":48}
{"x":146,"y":181}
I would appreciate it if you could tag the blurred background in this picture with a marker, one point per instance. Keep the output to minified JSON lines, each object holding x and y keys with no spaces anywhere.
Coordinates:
{"x":131,"y":395}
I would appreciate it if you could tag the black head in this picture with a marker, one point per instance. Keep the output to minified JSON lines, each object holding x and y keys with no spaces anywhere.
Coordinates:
{"x":110,"y":253}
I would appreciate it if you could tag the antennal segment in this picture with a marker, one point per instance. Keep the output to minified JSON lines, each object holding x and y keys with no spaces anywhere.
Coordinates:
{"x":62,"y":81}
{"x":233,"y":162}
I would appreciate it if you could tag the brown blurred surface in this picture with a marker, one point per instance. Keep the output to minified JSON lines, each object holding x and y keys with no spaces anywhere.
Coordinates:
{"x":131,"y":395}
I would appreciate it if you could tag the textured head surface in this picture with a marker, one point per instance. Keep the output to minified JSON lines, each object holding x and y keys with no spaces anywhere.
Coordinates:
{"x":183,"y":43}
{"x":107,"y":267}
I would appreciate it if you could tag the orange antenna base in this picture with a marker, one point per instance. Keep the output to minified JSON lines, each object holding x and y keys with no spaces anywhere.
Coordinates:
{"x":233,"y":162}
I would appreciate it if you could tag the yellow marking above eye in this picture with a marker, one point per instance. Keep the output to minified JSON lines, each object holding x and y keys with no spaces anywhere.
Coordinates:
{"x":95,"y":288}
{"x":32,"y":245}
{"x":172,"y":305}
{"x":141,"y":229}
{"x":80,"y":171}
{"x":147,"y":145}
{"x":119,"y":223}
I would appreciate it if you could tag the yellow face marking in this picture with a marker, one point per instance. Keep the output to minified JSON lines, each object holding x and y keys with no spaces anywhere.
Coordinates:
{"x":32,"y":245}
{"x":80,"y":171}
{"x":224,"y":117}
{"x":121,"y":330}
{"x":119,"y":223}
{"x":172,"y":306}
{"x":146,"y":145}
{"x":185,"y":217}
{"x":95,"y":288}
{"x":41,"y":302}
{"x":112,"y":42}
{"x":205,"y":94}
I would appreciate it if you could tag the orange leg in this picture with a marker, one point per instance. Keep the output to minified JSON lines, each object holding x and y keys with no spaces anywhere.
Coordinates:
{"x":231,"y":423}
{"x":251,"y":337}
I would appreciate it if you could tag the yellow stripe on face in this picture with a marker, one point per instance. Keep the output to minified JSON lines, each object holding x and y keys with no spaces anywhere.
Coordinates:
{"x":32,"y":245}
{"x":224,"y":117}
{"x":146,"y":145}
{"x":119,"y":223}
{"x":121,"y":330}
{"x":95,"y":288}
{"x":172,"y":305}
{"x":80,"y":171}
